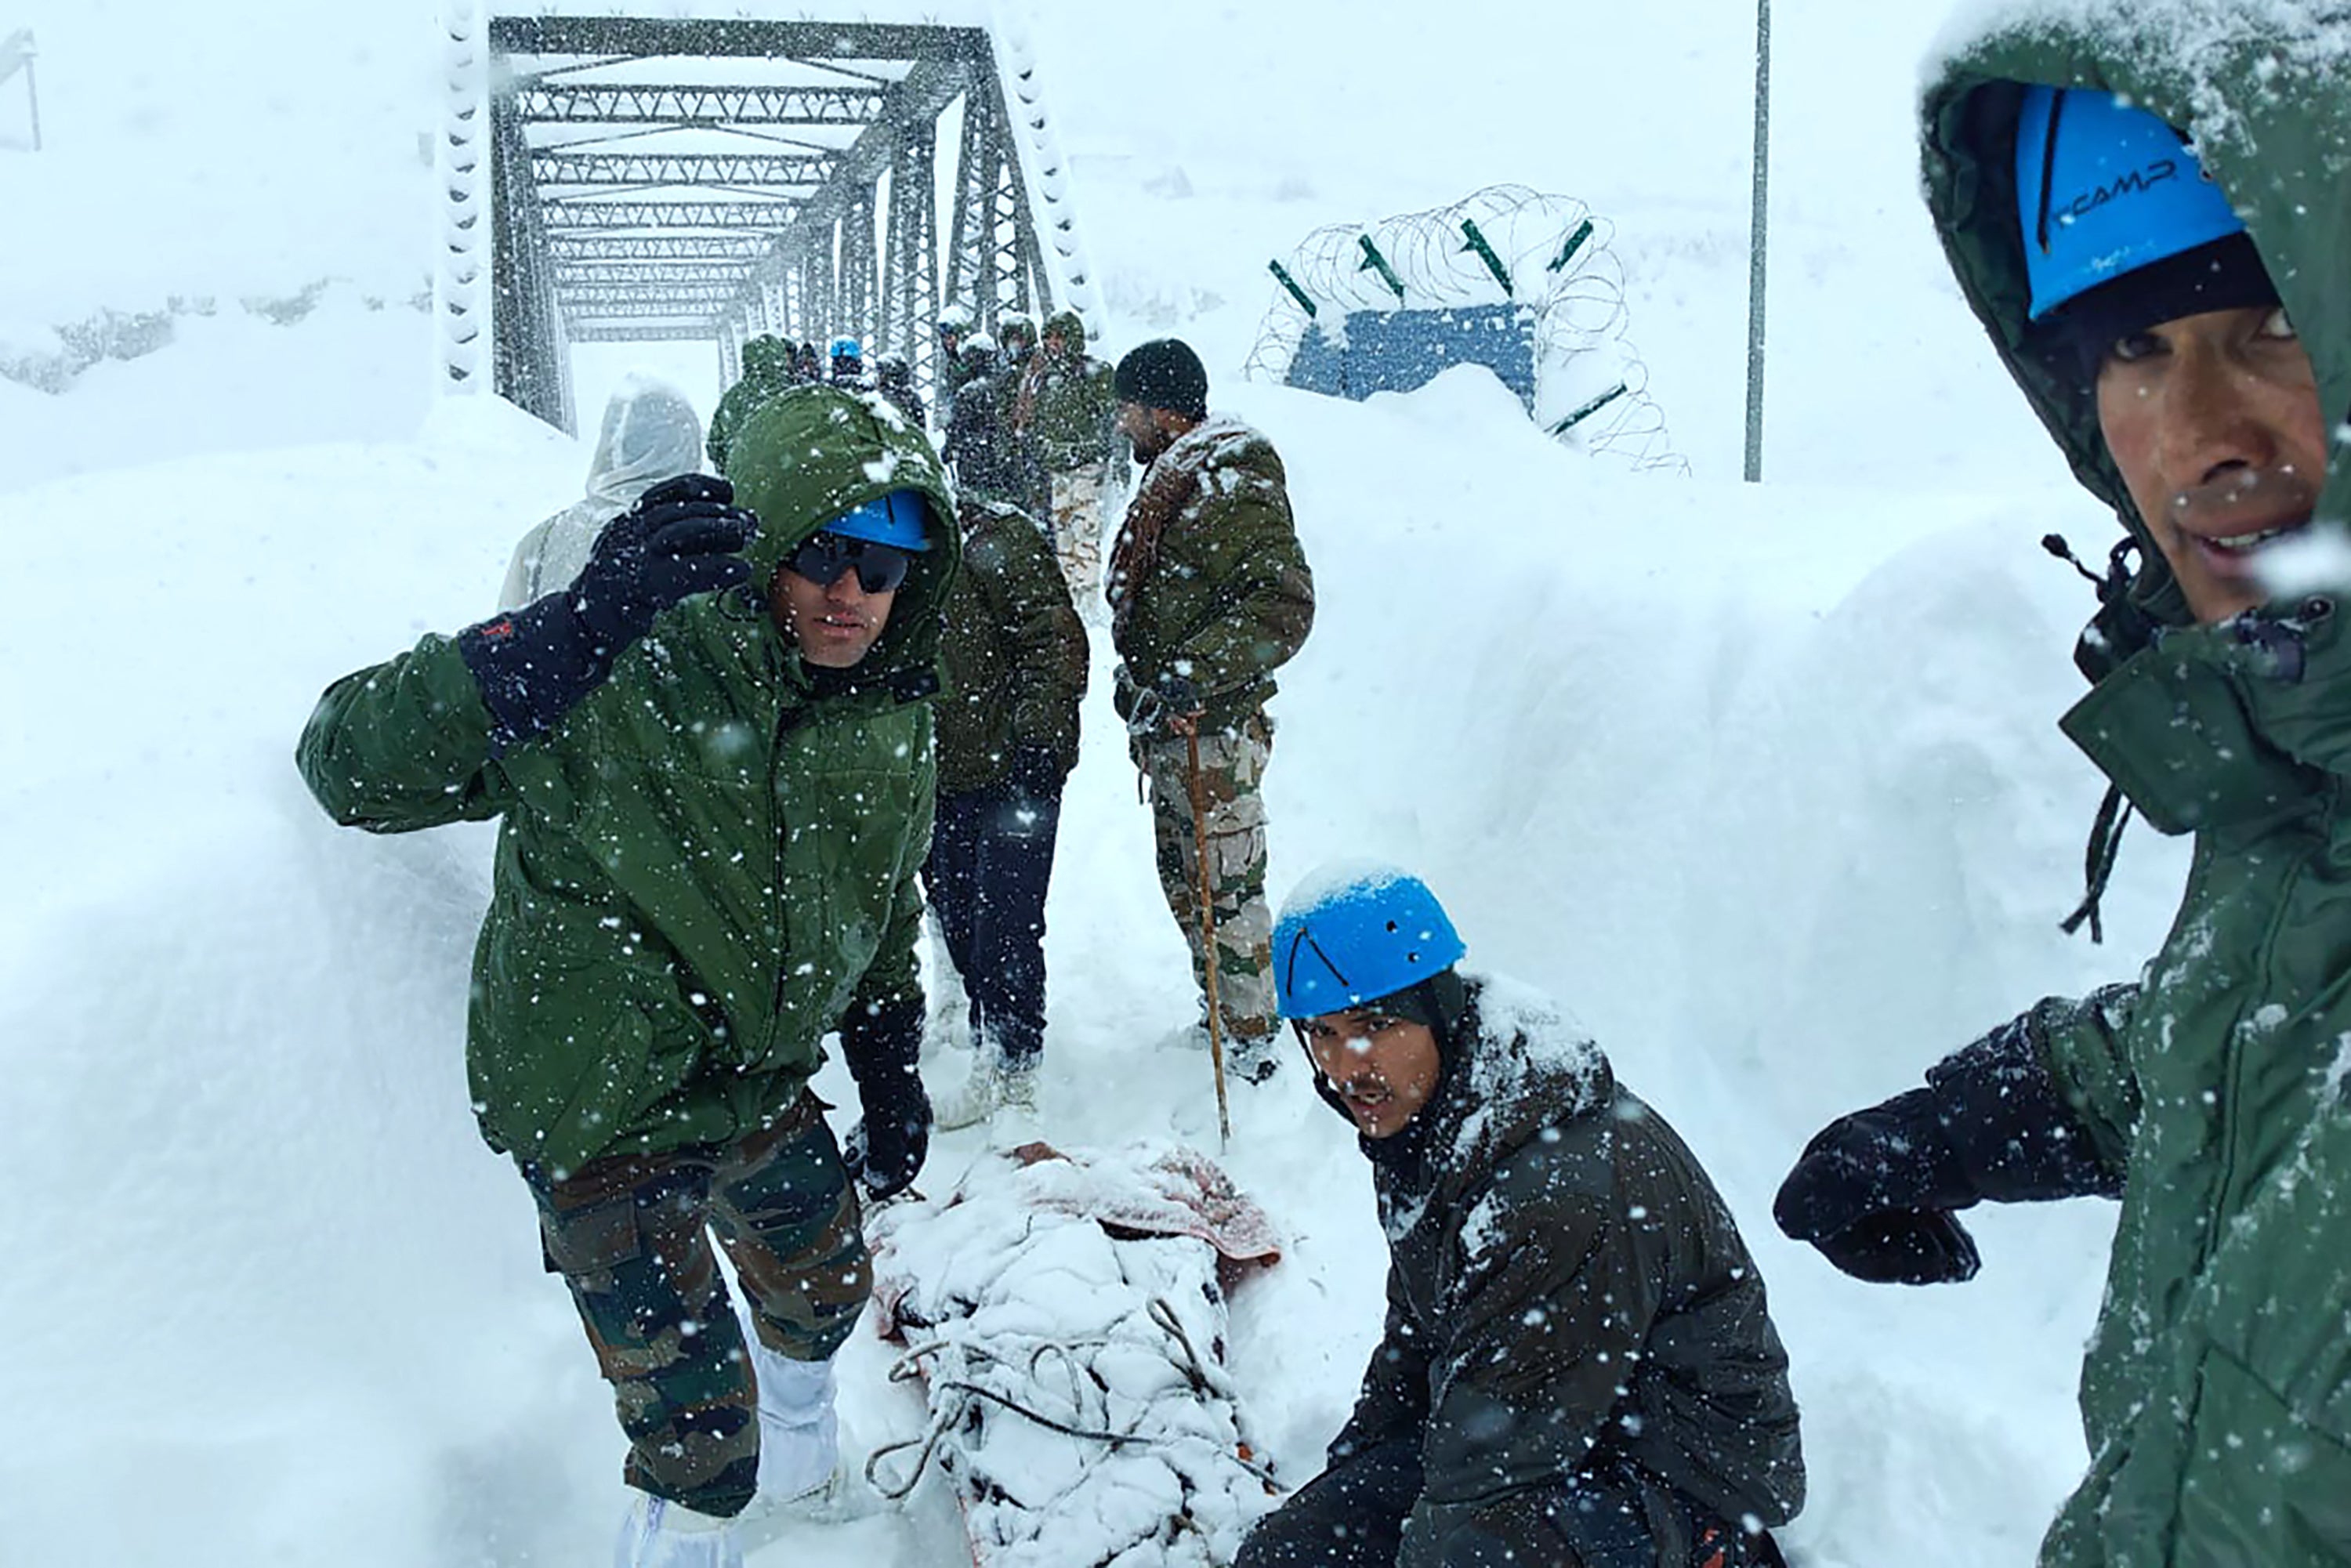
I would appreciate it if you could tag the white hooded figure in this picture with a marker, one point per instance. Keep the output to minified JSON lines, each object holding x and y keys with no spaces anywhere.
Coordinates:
{"x":651,"y":433}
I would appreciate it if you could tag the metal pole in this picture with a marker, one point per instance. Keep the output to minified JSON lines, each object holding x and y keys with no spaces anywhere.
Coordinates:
{"x":1759,"y":241}
{"x":33,"y":98}
{"x":1208,"y":932}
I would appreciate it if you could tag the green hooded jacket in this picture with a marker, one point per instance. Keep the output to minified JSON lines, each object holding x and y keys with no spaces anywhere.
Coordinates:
{"x":766,"y":372}
{"x":2216,"y":1392}
{"x":710,"y":858}
{"x":1072,"y":409}
{"x":1015,"y":652}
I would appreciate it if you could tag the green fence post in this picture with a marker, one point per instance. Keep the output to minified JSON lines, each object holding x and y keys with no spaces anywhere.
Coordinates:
{"x":1372,"y":258}
{"x":1589,"y":409}
{"x":1574,"y":243}
{"x":1486,"y":253}
{"x":1282,"y":275}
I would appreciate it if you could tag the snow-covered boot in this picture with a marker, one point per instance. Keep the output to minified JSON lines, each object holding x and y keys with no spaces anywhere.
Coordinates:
{"x":658,"y":1533}
{"x":800,"y":1434}
{"x":950,"y":1018}
{"x":993,"y":1085}
{"x":1253,"y":1057}
{"x":802,"y":1478}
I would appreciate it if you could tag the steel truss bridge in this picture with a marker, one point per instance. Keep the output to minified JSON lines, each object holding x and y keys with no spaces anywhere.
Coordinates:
{"x":663,"y":178}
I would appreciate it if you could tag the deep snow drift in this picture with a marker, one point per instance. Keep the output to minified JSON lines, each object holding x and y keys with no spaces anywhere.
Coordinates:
{"x":1763,"y":783}
{"x":1657,"y":767}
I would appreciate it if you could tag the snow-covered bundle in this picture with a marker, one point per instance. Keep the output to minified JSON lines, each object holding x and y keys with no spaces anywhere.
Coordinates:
{"x":1066,"y":1313}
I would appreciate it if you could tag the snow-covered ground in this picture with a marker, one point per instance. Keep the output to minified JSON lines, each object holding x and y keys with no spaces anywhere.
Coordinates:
{"x":1762,"y":782}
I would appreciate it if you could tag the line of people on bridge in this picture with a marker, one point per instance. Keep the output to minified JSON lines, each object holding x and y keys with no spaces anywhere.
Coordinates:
{"x":772,"y":364}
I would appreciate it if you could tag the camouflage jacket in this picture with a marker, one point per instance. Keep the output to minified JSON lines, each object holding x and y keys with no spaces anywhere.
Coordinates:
{"x":1207,"y":580}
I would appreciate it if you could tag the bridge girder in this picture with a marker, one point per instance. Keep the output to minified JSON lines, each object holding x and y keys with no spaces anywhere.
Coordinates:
{"x":662,"y":227}
{"x":595,"y":103}
{"x":584,"y":299}
{"x":684,"y":274}
{"x":574,"y":217}
{"x":698,"y":330}
{"x":619,"y":248}
{"x":792,"y":171}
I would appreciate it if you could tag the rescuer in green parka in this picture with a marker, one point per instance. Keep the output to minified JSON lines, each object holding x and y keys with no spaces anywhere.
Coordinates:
{"x":711,"y":757}
{"x":767,"y":373}
{"x":2158,"y":254}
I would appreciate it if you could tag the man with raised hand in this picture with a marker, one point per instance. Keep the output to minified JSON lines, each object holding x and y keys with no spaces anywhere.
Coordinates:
{"x":710,"y":755}
{"x":1209,"y":594}
{"x":1579,"y":1365}
{"x":2151,"y":230}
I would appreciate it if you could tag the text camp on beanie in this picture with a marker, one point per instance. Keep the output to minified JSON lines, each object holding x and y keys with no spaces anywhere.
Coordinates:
{"x":901,"y":518}
{"x":1164,"y":373}
{"x":1352,"y":933}
{"x":2122,"y":227}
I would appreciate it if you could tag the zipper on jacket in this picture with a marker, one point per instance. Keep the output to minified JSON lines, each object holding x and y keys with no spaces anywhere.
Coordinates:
{"x":2239,"y":1050}
{"x":784,"y":725}
{"x":774,"y":805}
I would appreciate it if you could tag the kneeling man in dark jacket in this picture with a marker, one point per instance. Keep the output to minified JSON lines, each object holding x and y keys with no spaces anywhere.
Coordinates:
{"x":1579,"y":1367}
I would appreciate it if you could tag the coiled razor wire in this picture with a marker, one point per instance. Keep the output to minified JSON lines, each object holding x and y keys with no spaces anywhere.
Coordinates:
{"x":1592,"y":387}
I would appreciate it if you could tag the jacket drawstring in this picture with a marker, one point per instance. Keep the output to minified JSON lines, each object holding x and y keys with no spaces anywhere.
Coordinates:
{"x":2115,"y":813}
{"x":2098,"y":863}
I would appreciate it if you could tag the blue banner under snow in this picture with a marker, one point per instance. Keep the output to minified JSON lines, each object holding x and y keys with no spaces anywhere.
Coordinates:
{"x":1396,"y":351}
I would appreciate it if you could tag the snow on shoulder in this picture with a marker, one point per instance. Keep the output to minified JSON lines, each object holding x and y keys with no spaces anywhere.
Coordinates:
{"x":1528,"y":1040}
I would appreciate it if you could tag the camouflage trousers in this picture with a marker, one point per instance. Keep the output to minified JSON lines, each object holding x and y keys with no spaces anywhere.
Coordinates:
{"x":1232,"y":764}
{"x":1078,"y":527}
{"x":632,"y":1238}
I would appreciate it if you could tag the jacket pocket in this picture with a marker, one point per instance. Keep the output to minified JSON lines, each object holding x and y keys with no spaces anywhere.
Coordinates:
{"x":559,"y":1096}
{"x":589,"y":1244}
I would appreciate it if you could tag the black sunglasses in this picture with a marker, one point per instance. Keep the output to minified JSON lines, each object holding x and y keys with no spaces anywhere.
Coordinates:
{"x":880,"y":567}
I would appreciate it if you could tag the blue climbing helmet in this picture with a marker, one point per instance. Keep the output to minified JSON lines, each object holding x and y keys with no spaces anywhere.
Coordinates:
{"x":846,"y":347}
{"x":1352,"y":933}
{"x":901,"y":518}
{"x":2103,"y":189}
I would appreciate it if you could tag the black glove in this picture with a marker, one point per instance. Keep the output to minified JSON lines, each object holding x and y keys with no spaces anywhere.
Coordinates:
{"x":681,"y":539}
{"x":1172,"y":696}
{"x":1918,"y":1247}
{"x":1875,"y":1190}
{"x":1037,"y":771}
{"x":884,"y":1150}
{"x":684,"y":537}
{"x":1032,"y":792}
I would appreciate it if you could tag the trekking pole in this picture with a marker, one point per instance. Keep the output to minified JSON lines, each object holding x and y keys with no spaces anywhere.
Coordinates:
{"x":1208,"y":935}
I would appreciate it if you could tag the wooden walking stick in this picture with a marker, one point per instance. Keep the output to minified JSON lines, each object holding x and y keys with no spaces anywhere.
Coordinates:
{"x":1208,"y":935}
